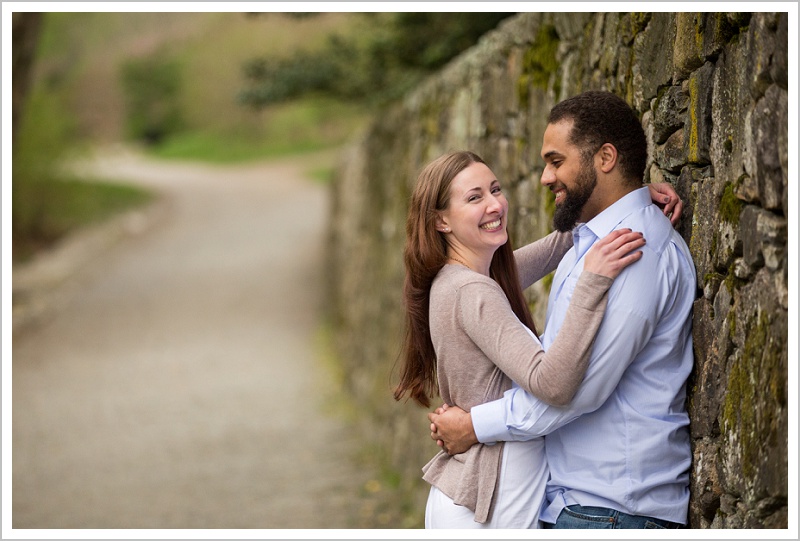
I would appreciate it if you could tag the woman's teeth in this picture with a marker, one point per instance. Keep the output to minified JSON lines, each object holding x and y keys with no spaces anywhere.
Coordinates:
{"x":491,"y":225}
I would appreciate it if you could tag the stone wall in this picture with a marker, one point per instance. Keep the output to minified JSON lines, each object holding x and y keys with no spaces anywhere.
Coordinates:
{"x":711,"y":90}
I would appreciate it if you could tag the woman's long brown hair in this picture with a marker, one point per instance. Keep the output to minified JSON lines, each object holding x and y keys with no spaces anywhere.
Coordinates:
{"x":425,"y":254}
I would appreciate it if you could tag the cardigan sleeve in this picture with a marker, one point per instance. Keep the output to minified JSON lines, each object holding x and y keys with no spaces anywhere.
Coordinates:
{"x":552,"y":376}
{"x":538,"y":259}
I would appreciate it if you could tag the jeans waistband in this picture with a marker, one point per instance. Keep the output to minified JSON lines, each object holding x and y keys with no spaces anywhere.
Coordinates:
{"x":623,"y":519}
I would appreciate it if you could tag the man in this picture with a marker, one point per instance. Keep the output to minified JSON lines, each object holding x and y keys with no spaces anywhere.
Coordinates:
{"x":619,"y":454}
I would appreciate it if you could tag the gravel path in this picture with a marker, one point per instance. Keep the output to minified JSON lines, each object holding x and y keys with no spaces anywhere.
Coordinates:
{"x":166,"y":370}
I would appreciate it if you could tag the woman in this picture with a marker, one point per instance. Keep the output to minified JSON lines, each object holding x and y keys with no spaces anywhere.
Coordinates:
{"x":468,"y":322}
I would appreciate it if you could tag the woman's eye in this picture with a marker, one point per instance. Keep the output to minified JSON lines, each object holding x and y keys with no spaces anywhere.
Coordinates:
{"x":496,"y":189}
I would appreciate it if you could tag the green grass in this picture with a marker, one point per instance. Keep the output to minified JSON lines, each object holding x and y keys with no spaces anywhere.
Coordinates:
{"x":299,"y":127}
{"x":47,"y":210}
{"x":322,"y":175}
{"x":215,"y":148}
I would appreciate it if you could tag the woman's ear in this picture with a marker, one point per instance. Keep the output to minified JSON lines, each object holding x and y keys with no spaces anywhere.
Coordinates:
{"x":441,"y":224}
{"x":607,"y":157}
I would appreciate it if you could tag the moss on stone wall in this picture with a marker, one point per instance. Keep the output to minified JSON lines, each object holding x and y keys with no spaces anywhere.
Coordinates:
{"x":732,"y":282}
{"x":539,"y":62}
{"x":742,"y":412}
{"x":694,"y":122}
{"x":639,"y":22}
{"x":730,"y":206}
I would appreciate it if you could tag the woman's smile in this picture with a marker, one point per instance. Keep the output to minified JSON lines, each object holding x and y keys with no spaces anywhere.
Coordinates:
{"x":494,"y":225}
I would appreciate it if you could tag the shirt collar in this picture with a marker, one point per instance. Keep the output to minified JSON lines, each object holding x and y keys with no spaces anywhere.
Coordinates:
{"x":605,"y":222}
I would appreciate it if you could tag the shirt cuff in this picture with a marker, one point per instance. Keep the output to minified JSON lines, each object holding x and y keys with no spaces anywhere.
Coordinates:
{"x":488,"y":421}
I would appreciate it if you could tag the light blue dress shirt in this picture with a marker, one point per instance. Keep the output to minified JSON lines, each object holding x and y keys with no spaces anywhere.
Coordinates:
{"x":623,"y":442}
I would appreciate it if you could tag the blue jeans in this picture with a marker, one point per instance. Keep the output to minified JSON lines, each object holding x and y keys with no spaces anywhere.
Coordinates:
{"x":578,"y":516}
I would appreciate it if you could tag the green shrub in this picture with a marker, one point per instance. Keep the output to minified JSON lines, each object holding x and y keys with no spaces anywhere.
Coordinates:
{"x":152,"y":86}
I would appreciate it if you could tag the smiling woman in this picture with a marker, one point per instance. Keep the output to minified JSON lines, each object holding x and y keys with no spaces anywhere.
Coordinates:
{"x":474,"y":221}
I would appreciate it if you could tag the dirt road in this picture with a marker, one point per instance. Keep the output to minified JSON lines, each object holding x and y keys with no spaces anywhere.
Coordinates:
{"x":170,"y":376}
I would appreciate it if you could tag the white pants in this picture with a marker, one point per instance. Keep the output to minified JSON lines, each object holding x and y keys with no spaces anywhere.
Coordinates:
{"x":520,"y":496}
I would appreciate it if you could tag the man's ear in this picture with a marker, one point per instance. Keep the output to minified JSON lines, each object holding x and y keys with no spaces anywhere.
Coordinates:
{"x":607,"y":157}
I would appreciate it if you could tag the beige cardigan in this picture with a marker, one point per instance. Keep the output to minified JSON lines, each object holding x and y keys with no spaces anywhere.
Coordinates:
{"x":481,"y":346}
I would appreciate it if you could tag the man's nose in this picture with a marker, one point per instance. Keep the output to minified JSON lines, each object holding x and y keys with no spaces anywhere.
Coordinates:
{"x":548,"y":176}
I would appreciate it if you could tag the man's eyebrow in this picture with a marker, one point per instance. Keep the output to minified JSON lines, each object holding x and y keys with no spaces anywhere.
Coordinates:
{"x":551,"y":154}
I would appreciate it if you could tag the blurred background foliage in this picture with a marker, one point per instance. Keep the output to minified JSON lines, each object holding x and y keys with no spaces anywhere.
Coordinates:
{"x":152,"y":86}
{"x":387,"y":55}
{"x":218,"y":87}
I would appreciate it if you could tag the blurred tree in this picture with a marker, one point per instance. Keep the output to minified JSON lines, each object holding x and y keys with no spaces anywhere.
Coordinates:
{"x":429,"y":40}
{"x":152,"y":86}
{"x":25,"y":31}
{"x":395,"y":51}
{"x":47,"y":201}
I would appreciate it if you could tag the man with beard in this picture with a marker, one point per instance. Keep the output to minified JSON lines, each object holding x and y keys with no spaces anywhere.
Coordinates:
{"x":619,"y":454}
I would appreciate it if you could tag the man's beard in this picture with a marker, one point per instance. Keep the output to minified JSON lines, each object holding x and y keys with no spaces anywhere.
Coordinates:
{"x":569,"y":211}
